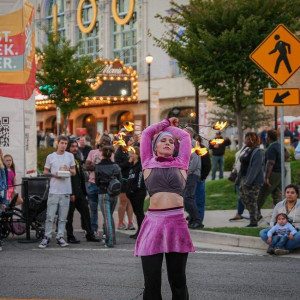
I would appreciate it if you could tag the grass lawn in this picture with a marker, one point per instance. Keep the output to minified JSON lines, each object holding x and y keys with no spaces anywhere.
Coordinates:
{"x":236,"y":230}
{"x":220,"y":195}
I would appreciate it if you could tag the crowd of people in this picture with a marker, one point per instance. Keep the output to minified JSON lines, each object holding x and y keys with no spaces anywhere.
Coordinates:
{"x":161,"y":164}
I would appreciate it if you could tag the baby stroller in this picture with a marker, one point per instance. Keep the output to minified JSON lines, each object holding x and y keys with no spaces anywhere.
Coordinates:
{"x":13,"y":220}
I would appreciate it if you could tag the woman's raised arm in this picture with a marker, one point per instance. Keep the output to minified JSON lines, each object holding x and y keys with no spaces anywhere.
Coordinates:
{"x":147,"y":135}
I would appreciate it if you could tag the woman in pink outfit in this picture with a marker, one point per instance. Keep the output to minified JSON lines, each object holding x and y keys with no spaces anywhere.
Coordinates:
{"x":164,"y":229}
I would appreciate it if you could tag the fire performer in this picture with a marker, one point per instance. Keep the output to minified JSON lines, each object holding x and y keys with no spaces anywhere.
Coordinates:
{"x":164,"y":229}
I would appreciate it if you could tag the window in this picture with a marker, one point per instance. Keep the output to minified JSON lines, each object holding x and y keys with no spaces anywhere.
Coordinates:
{"x":60,"y":16}
{"x":88,"y":42}
{"x":124,"y":37}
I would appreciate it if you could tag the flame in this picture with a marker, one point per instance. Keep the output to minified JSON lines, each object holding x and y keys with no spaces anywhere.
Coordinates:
{"x":220,"y":125}
{"x":121,"y":141}
{"x":129,"y":126}
{"x":130,"y":149}
{"x":216,"y":142}
{"x":199,"y":150}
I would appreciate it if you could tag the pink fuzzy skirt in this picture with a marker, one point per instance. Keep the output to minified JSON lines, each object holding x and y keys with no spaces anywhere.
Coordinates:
{"x":164,"y":232}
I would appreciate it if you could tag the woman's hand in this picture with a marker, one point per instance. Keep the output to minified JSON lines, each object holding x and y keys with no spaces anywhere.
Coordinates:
{"x":174,"y":122}
{"x":269,"y":240}
{"x":291,"y":237}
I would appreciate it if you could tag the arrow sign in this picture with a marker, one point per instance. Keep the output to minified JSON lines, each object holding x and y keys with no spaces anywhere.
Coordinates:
{"x":278,"y":99}
{"x":281,"y":97}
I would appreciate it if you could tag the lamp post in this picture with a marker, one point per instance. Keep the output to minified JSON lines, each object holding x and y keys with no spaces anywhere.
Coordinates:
{"x":149,"y":60}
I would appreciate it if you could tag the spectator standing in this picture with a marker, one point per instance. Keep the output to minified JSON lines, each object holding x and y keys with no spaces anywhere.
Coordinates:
{"x":236,"y":168}
{"x":12,"y":180}
{"x":122,"y":159}
{"x":251,"y":176}
{"x":200,"y":189}
{"x":93,"y":191}
{"x":136,"y":188}
{"x":218,"y":152}
{"x":106,"y":171}
{"x":3,"y":190}
{"x":59,"y":191}
{"x":272,"y":183}
{"x":50,"y":139}
{"x":263,"y":136}
{"x":84,"y":148}
{"x":295,"y":136}
{"x":194,"y":175}
{"x":288,"y":133}
{"x":78,"y":200}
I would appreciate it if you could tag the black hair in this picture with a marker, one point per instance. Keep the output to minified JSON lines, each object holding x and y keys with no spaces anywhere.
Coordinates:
{"x":292,"y":186}
{"x":272,"y":135}
{"x":70,"y":143}
{"x":107,"y":151}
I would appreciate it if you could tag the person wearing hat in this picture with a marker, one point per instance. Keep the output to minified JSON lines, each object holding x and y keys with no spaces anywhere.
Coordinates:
{"x":218,"y":152}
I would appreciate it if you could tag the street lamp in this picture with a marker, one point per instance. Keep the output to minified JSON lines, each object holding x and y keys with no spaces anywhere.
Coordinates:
{"x":149,"y":60}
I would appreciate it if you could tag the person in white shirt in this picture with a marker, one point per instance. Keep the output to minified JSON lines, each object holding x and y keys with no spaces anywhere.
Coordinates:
{"x":60,"y":165}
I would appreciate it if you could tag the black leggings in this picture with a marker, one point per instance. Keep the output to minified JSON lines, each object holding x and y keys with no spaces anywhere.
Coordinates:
{"x":176,"y":264}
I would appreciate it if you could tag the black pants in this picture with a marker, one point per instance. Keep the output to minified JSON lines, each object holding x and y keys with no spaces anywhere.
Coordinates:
{"x":176,"y":264}
{"x":81,"y":204}
{"x":137,"y":201}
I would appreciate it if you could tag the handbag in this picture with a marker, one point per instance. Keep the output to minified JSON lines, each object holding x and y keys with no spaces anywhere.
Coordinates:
{"x":233,"y":175}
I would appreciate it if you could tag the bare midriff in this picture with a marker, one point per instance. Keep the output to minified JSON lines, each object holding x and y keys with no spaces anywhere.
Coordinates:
{"x":164,"y":200}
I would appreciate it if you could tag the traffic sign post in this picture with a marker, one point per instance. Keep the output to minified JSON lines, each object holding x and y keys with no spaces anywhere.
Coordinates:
{"x":278,"y":54}
{"x":279,"y":97}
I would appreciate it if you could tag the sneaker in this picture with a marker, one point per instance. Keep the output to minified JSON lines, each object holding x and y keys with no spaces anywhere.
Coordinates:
{"x":92,"y":238}
{"x":61,"y":242}
{"x":44,"y":243}
{"x":96,"y":234}
{"x":196,"y":225}
{"x":122,"y":226}
{"x":270,"y":250}
{"x":130,"y":226}
{"x":280,"y":251}
{"x":252,"y":225}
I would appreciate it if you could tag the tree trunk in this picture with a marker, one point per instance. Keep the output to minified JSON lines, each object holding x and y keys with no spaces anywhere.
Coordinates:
{"x":66,"y":122}
{"x":239,"y":124}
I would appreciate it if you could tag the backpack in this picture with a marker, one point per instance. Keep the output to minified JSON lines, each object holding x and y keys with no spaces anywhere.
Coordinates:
{"x":107,"y":178}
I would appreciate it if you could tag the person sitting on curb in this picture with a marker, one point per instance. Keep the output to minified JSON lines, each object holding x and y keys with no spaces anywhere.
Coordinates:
{"x":291,"y":207}
{"x":279,"y":234}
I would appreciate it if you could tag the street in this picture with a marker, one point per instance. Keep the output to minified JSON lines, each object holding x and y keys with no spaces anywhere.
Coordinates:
{"x":90,"y":271}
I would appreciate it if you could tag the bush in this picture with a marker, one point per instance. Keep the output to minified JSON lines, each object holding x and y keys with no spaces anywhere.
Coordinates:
{"x":42,"y":154}
{"x":295,"y":170}
{"x":229,"y":158}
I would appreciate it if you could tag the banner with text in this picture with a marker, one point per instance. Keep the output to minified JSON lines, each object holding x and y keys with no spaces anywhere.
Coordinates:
{"x":17,"y":83}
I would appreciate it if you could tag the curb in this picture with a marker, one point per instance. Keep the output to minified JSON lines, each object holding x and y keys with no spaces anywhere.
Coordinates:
{"x":228,"y":239}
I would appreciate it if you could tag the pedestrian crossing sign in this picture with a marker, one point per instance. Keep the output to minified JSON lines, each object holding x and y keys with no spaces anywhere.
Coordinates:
{"x":278,"y":54}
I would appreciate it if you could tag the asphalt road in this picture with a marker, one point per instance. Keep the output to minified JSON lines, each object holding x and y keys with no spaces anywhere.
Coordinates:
{"x":90,"y":271}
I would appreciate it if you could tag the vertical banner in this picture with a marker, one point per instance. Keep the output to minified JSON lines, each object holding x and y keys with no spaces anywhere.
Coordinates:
{"x":154,"y":105}
{"x":17,"y":84}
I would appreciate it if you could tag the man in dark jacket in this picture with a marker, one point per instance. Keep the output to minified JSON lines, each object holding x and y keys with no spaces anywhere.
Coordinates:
{"x":218,"y":152}
{"x":78,"y":200}
{"x":200,"y":189}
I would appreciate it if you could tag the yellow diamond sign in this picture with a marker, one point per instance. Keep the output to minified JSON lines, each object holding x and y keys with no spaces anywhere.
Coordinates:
{"x":278,"y":55}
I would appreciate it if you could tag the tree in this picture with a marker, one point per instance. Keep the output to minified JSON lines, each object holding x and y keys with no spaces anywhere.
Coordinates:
{"x":212,"y":40}
{"x":253,"y":117}
{"x":63,"y":76}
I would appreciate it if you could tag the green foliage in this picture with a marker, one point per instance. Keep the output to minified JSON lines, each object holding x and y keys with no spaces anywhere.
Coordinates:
{"x":42,"y":154}
{"x":295,"y":170}
{"x":63,"y":76}
{"x":229,"y":159}
{"x":218,"y":37}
